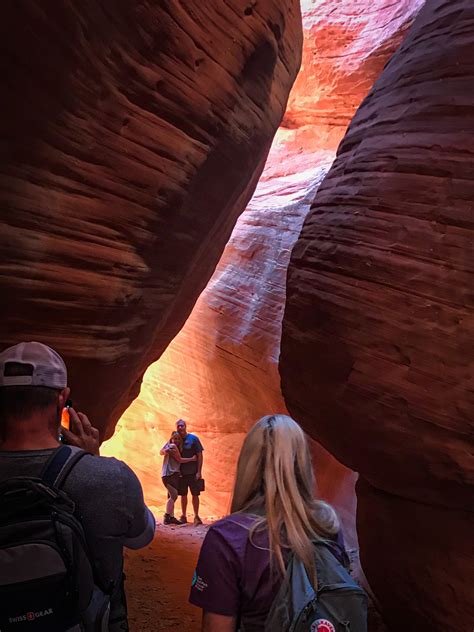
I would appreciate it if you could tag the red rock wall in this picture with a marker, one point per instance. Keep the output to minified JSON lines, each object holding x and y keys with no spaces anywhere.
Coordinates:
{"x":131,"y":140}
{"x":377,"y":353}
{"x":346,"y":45}
{"x":220,"y":372}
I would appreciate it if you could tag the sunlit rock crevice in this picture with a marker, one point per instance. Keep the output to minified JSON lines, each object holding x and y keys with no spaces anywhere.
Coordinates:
{"x":220,"y":372}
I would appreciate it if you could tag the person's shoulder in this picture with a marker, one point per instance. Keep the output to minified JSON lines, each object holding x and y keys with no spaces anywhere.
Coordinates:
{"x":105,"y":463}
{"x":105,"y":470}
{"x":233,"y":533}
{"x":235,"y":525}
{"x":193,"y":437}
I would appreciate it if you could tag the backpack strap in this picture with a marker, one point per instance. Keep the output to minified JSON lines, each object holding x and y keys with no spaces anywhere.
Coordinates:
{"x":337,"y":550}
{"x":60,"y":464}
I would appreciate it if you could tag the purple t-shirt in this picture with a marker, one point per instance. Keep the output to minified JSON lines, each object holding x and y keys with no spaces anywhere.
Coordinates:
{"x":233,"y":576}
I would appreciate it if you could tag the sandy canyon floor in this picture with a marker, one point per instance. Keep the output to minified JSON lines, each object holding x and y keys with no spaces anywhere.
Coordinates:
{"x":159,"y":578}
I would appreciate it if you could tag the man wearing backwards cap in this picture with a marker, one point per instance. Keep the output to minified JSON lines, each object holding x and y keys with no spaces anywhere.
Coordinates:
{"x":33,"y":393}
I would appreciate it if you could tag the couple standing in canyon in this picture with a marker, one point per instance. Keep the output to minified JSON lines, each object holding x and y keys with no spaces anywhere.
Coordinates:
{"x":182,"y":471}
{"x":277,"y":562}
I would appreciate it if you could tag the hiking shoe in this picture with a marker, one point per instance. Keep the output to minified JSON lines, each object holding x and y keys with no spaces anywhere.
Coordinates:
{"x":170,"y":520}
{"x":197,"y":521}
{"x":183,"y":520}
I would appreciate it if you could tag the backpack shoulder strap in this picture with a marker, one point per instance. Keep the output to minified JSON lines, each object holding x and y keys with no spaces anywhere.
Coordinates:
{"x":336,"y":549}
{"x":60,"y":464}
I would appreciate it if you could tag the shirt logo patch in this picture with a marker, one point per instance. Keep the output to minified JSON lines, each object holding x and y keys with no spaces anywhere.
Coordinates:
{"x":198,"y":583}
{"x":322,"y":625}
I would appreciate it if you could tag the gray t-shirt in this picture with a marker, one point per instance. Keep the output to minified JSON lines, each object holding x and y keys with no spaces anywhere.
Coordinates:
{"x":109,"y":497}
{"x":170,"y":465}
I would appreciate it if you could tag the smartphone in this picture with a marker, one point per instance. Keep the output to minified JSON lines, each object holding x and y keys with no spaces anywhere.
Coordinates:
{"x":65,"y":420}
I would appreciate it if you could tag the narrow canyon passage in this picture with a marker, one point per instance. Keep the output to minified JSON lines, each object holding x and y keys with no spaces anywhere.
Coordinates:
{"x":218,"y":210}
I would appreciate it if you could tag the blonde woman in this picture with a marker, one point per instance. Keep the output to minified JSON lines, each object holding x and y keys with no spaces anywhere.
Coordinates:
{"x":170,"y":473}
{"x":274,"y":514}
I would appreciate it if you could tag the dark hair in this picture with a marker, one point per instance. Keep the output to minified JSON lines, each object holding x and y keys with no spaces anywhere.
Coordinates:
{"x":20,"y":402}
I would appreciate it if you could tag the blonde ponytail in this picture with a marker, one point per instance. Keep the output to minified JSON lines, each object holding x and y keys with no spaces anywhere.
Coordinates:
{"x":275,"y":481}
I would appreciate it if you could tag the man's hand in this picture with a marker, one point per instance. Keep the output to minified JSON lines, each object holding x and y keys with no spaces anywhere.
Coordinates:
{"x":198,"y":476}
{"x":82,"y":434}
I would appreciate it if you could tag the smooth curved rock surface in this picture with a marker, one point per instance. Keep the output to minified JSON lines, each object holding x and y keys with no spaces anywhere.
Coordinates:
{"x":221,"y":377}
{"x":377,"y":351}
{"x":131,"y":140}
{"x":220,"y":372}
{"x":419,"y":559}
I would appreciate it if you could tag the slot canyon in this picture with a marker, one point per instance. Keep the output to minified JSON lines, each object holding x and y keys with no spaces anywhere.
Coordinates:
{"x":220,"y":210}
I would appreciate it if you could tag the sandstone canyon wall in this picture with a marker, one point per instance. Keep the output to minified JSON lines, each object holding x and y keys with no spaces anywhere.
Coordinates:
{"x":220,"y":372}
{"x":132,"y":137}
{"x":377,"y":349}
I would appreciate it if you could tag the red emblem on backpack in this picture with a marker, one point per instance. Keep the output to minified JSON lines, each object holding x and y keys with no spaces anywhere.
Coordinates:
{"x":322,"y":625}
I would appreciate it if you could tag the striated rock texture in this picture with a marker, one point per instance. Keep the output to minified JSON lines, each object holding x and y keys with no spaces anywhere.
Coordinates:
{"x":132,"y":138}
{"x":220,"y":372}
{"x":221,"y":377}
{"x":346,"y":45}
{"x":377,"y":350}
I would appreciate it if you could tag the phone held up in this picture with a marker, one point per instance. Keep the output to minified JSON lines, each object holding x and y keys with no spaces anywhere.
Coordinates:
{"x":65,"y":419}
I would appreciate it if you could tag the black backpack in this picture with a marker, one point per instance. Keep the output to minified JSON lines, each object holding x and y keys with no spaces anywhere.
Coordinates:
{"x":47,"y":578}
{"x":338,"y":604}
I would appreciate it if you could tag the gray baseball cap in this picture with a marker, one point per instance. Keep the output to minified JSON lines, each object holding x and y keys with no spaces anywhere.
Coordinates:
{"x":42,"y":366}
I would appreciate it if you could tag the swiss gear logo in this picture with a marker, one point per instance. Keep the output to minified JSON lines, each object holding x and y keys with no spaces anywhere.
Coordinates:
{"x":322,"y":625}
{"x":31,"y":616}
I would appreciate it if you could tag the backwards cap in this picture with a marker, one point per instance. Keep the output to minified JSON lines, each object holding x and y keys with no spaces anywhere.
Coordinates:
{"x":42,"y":366}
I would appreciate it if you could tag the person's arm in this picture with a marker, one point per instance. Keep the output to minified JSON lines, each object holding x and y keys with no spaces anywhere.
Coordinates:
{"x":181,"y":459}
{"x":212,"y":622}
{"x":140,"y":526}
{"x":175,"y":454}
{"x":215,"y":588}
{"x":199,"y":451}
{"x":145,"y":537}
{"x":200,"y":462}
{"x":165,"y":449}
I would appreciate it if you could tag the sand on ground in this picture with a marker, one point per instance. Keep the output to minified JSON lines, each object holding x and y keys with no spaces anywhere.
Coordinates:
{"x":159,"y":579}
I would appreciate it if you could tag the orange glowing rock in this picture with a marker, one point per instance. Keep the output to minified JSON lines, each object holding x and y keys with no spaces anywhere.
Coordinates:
{"x":220,"y":372}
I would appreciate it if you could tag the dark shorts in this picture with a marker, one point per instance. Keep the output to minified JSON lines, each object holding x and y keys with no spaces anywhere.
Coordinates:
{"x":172,"y":480}
{"x":188,"y":481}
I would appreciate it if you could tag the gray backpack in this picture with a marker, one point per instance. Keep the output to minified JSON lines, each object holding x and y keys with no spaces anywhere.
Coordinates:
{"x":47,"y":578}
{"x":338,"y":605}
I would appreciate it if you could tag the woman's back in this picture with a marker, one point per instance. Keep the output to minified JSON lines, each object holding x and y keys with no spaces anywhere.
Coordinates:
{"x":234,"y":576}
{"x":274,"y":516}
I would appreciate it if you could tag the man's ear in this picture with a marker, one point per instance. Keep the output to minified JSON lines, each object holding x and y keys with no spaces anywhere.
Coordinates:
{"x":63,"y":397}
